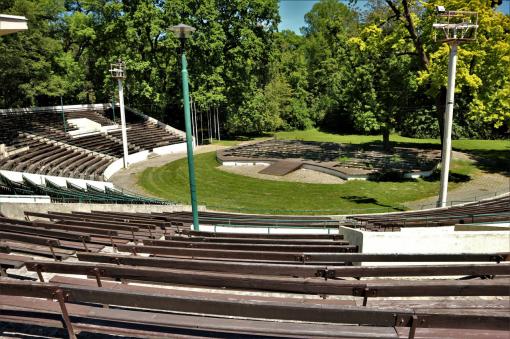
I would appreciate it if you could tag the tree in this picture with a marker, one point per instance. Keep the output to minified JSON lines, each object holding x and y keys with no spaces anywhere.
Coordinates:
{"x":32,"y":65}
{"x":379,"y":80}
{"x":329,"y":25}
{"x":483,"y":68}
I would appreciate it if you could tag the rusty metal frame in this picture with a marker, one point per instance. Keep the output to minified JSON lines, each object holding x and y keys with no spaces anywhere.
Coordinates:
{"x":321,"y":313}
{"x":327,"y":248}
{"x":372,"y":288}
{"x":299,"y":270}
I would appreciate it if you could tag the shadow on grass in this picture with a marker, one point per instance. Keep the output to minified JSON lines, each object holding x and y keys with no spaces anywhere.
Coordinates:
{"x":367,"y":200}
{"x":452,"y":177}
{"x":491,"y":161}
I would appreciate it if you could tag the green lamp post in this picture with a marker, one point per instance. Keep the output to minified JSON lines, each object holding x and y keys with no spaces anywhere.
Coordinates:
{"x":183,"y":32}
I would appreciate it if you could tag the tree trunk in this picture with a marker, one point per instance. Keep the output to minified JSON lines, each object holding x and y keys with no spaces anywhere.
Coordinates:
{"x":386,"y":138}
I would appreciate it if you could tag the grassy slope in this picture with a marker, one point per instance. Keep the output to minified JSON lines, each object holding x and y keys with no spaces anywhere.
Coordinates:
{"x":227,"y":191}
{"x":461,"y":145}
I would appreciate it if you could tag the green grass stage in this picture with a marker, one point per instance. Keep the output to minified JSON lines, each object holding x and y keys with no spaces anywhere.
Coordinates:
{"x":231,"y":192}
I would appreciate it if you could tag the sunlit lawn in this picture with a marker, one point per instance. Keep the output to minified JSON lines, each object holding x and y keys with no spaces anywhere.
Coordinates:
{"x":227,"y":191}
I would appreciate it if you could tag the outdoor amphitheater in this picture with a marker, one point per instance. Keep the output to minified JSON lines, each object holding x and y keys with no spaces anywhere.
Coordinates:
{"x":82,"y":257}
{"x":106,"y":233}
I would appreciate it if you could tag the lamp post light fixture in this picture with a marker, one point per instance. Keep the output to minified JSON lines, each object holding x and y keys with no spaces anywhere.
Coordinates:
{"x":457,"y":27}
{"x":118,"y":71}
{"x":183,"y":32}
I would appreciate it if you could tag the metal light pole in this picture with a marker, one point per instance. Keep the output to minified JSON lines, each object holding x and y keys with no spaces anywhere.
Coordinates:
{"x":63,"y":114}
{"x":457,"y":27}
{"x":118,"y":71}
{"x":183,"y":32}
{"x":113,"y":103}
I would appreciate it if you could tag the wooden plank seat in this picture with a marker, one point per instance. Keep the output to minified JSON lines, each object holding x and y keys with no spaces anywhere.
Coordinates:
{"x":300,"y":270}
{"x":19,"y":161}
{"x":25,"y":229}
{"x":124,"y":217}
{"x":97,"y":168}
{"x":53,"y":161}
{"x":51,"y":238}
{"x":60,"y":166}
{"x":167,"y":325}
{"x":108,"y":321}
{"x":277,"y":310}
{"x":436,"y":214}
{"x":501,"y":204}
{"x":126,"y":286}
{"x":92,"y":220}
{"x":249,"y":220}
{"x":267,"y":256}
{"x":39,"y":250}
{"x":331,"y":248}
{"x":79,"y":168}
{"x":9,"y":261}
{"x":261,"y":235}
{"x":220,"y":239}
{"x":37,"y":159}
{"x":80,"y":220}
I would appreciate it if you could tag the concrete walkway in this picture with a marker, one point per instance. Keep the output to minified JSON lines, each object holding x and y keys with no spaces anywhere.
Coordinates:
{"x":482,"y":186}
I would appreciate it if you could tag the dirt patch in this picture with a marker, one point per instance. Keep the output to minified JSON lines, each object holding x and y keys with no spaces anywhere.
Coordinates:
{"x":300,"y":175}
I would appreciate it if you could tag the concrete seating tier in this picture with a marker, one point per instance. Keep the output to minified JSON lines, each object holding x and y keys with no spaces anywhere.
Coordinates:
{"x":247,"y":285}
{"x":73,"y":193}
{"x":44,"y":157}
{"x":141,"y":135}
{"x":348,"y":160}
{"x":148,"y":136}
{"x":96,"y":116}
{"x":492,"y":210}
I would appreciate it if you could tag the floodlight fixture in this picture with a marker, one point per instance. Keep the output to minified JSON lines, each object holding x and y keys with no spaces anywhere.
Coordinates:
{"x":182,"y":31}
{"x":456,"y":26}
{"x":118,"y":70}
{"x":440,"y":9}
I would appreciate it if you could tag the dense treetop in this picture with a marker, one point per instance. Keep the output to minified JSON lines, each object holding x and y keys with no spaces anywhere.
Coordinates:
{"x":375,"y":70}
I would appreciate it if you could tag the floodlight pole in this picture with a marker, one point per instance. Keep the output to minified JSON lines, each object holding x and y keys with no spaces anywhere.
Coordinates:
{"x":113,"y":103}
{"x":63,"y":114}
{"x":123,"y":123}
{"x":118,"y":72}
{"x":457,"y":27}
{"x":189,"y":139}
{"x":448,"y":123}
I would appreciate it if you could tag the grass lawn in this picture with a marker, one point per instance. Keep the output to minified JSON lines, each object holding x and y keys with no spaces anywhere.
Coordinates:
{"x":231,"y":192}
{"x":460,"y":145}
{"x":226,"y":191}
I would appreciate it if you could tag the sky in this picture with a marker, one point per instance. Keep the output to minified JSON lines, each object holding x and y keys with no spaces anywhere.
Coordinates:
{"x":292,"y":12}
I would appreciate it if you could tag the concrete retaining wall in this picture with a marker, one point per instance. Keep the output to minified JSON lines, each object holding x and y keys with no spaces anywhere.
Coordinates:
{"x":170,"y":149}
{"x":34,"y":199}
{"x":245,"y":163}
{"x":60,"y":181}
{"x":428,"y":240}
{"x":118,"y":164}
{"x":268,"y":230}
{"x":16,"y":210}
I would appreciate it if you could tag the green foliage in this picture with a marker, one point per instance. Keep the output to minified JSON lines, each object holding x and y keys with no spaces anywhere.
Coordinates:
{"x":377,"y":70}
